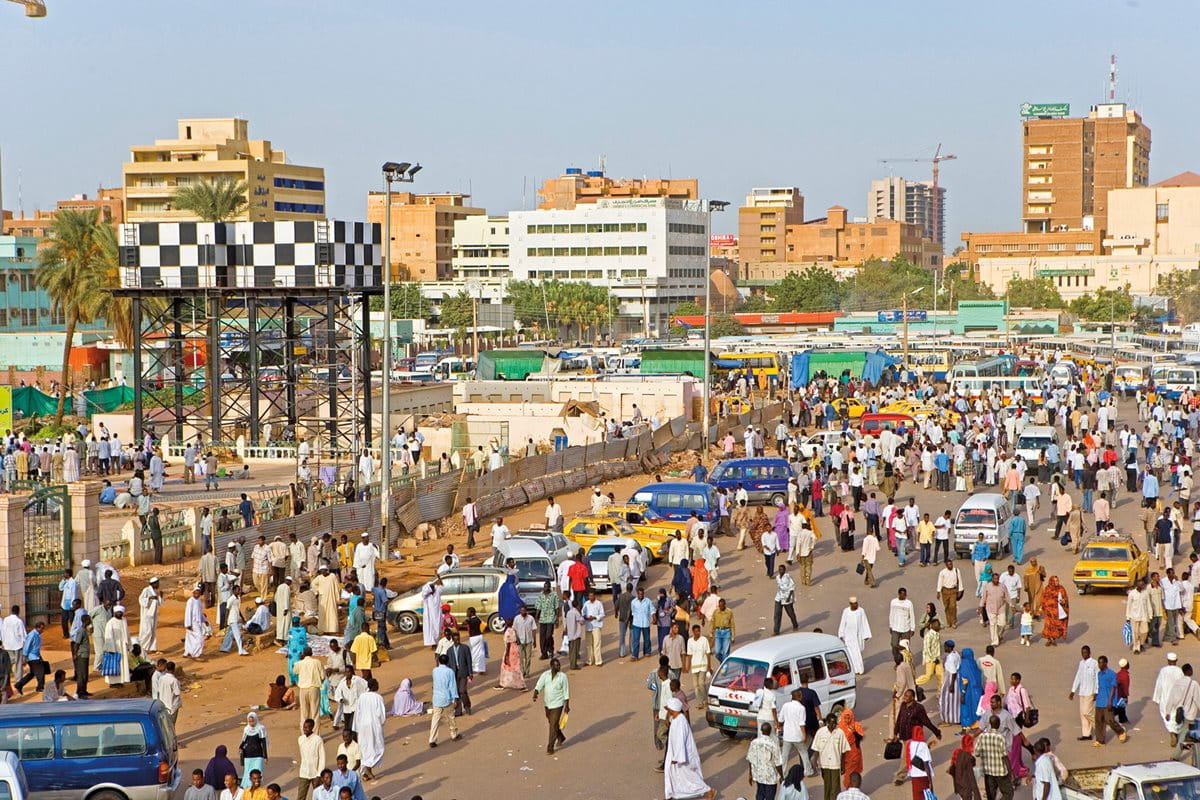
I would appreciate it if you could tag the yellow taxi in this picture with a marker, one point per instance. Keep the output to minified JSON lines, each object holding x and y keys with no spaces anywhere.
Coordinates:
{"x":1110,"y":562}
{"x":645,"y":519}
{"x":920,"y":411}
{"x":849,"y":406}
{"x":585,"y":530}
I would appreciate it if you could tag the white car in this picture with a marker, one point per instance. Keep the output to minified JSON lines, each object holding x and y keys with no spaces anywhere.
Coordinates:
{"x":601,"y":549}
{"x":826,"y":439}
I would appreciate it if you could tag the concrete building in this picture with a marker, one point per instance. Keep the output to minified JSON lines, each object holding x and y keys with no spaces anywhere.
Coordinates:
{"x":422,"y":231}
{"x":213,"y":149}
{"x":1069,"y":165}
{"x":911,"y":202}
{"x":1153,"y":231}
{"x":577,"y":187}
{"x":651,"y":253}
{"x":763,"y":222}
{"x":479,"y":248}
{"x":1018,"y":244}
{"x":109,"y":202}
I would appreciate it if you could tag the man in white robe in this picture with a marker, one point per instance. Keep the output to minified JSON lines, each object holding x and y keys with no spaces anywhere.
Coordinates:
{"x":195,"y":624}
{"x":369,"y":714}
{"x":1168,"y":676}
{"x":431,"y":600}
{"x":100,"y":615}
{"x":283,"y":609}
{"x":328,"y":592}
{"x":87,"y":584}
{"x":365,"y":556}
{"x":366,"y":469}
{"x":149,"y":602}
{"x":116,"y":640}
{"x":681,"y":766}
{"x":157,"y":472}
{"x":854,"y":631}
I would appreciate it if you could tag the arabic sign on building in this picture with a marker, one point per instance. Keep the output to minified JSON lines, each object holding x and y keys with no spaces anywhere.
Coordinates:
{"x":1045,"y":109}
{"x":895,"y":315}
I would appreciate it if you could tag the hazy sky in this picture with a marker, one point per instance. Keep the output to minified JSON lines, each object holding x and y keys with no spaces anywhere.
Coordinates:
{"x":493,"y":97}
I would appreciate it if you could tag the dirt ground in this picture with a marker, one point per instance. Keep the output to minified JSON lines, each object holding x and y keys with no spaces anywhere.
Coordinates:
{"x":610,"y":720}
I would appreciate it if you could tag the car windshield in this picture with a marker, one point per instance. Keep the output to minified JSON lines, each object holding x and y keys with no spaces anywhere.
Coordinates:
{"x":1179,"y":789}
{"x":974,"y":517}
{"x":740,"y":674}
{"x":624,"y":527}
{"x":1034,"y":442}
{"x":601,"y":552}
{"x":534,"y":569}
{"x":1102,"y":552}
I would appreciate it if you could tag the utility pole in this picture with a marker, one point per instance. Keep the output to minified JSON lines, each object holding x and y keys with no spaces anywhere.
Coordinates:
{"x":474,"y":287}
{"x":713,"y":205}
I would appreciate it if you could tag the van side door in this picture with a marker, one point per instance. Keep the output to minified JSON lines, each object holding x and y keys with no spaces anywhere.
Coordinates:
{"x":813,"y":667}
{"x":33,"y":742}
{"x":98,"y":751}
{"x":841,"y":679}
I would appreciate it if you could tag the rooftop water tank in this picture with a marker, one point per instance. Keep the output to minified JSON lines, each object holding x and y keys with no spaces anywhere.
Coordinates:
{"x":574,"y":171}
{"x":595,"y":173}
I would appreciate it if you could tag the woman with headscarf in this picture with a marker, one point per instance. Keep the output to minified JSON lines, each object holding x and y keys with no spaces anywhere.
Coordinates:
{"x":962,"y":769}
{"x":296,"y":642}
{"x":854,"y":735}
{"x":699,"y":578}
{"x":510,"y":666}
{"x":1034,"y":580}
{"x":950,"y":696}
{"x":984,"y":708}
{"x":780,"y":523}
{"x":253,"y":748}
{"x":793,"y":784}
{"x":919,"y":762}
{"x":218,"y":767}
{"x":970,"y":679}
{"x":405,"y":703}
{"x":759,"y":524}
{"x":355,"y":617}
{"x":682,"y":582}
{"x":1056,"y":610}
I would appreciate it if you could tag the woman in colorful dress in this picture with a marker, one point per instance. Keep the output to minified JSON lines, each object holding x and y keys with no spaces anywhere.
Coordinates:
{"x":1056,"y":611}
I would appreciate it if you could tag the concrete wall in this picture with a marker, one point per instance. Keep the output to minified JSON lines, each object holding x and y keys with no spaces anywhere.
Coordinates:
{"x":665,"y":399}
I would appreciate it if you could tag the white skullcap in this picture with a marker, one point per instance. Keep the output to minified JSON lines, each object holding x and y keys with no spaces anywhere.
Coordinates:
{"x":119,"y":608}
{"x":674,"y":705}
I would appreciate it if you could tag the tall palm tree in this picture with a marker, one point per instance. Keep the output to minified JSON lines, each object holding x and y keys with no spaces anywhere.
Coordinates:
{"x":212,"y":201}
{"x":75,"y":270}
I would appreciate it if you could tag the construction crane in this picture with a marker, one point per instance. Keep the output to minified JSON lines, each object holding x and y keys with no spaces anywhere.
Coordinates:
{"x":33,"y":8}
{"x":935,"y":227}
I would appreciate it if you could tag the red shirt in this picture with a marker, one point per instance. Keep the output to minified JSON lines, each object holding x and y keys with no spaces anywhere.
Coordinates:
{"x":577,"y":573}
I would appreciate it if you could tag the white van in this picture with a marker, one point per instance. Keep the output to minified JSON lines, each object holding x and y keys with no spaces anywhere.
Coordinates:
{"x":985,"y":513}
{"x":1033,"y":440}
{"x":533,"y":563}
{"x":818,"y":656}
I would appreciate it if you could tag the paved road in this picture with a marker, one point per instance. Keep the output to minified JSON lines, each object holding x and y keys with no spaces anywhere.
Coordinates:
{"x":610,"y":748}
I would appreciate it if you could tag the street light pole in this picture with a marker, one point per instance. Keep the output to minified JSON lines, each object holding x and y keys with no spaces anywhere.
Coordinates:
{"x":904,"y":320}
{"x":392,"y":173}
{"x":706,"y":421}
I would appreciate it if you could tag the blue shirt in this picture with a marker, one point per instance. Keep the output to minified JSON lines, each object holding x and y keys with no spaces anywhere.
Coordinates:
{"x":1149,"y":486}
{"x":349,"y":778}
{"x":982,"y":551}
{"x":1016,"y":526}
{"x":699,"y":473}
{"x":70,"y":590}
{"x":445,"y":688}
{"x":108,"y":496}
{"x":1052,"y":453}
{"x":941,"y":462}
{"x":1106,"y":681}
{"x":33,"y":646}
{"x":641,"y":610}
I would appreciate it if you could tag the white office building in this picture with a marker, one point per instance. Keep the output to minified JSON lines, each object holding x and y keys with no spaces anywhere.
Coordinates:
{"x":479,"y":248}
{"x":651,"y":253}
{"x":908,"y":201}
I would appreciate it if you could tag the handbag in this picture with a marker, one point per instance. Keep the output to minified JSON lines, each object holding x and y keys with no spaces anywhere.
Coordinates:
{"x":929,"y":795}
{"x":1028,"y":718}
{"x":920,"y":694}
{"x":1127,"y":634}
{"x":893,"y":750}
{"x":110,"y":664}
{"x":860,"y":568}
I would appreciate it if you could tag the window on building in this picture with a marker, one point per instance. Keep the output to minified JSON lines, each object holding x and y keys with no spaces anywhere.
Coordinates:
{"x":1161,"y":212}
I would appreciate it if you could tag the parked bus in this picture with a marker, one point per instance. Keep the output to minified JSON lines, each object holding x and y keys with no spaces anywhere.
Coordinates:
{"x":1171,"y":380}
{"x":1129,"y":377}
{"x":972,"y":387}
{"x":757,"y":363}
{"x":993,"y":367}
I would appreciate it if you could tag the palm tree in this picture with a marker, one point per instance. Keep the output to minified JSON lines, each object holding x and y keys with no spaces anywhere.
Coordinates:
{"x":77,"y":270}
{"x":212,"y":201}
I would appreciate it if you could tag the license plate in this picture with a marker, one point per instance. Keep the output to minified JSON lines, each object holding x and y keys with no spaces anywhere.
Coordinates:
{"x":732,"y":722}
{"x":1101,"y":573}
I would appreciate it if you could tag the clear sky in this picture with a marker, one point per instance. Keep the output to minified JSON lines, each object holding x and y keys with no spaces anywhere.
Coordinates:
{"x":493,"y":97}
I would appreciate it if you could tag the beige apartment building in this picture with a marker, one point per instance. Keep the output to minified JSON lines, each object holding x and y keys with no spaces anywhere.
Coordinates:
{"x":212,"y":149}
{"x":1154,"y":230}
{"x":110,"y":203}
{"x":1069,"y":165}
{"x":422,"y":232}
{"x":575,"y":187}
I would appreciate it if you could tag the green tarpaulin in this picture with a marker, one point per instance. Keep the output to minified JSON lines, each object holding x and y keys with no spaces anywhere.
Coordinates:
{"x":667,"y":362}
{"x":105,"y":400}
{"x":29,"y":400}
{"x":508,"y":365}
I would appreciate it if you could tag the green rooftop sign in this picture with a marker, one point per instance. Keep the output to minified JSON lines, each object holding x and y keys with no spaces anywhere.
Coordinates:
{"x":1045,"y":109}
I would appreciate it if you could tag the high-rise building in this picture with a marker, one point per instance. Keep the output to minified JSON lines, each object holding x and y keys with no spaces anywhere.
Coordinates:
{"x":576,"y":187}
{"x":763,"y":221}
{"x":1069,"y":165}
{"x":651,"y":253}
{"x":422,"y":231}
{"x":214,"y":149}
{"x":908,"y":201}
{"x":480,"y":247}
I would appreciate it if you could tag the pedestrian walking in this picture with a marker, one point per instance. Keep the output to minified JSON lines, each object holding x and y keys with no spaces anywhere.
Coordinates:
{"x":555,"y":690}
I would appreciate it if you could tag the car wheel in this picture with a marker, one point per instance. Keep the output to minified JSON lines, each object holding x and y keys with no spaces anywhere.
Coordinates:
{"x":407,"y":622}
{"x":728,"y":734}
{"x":778,"y":498}
{"x":106,"y":794}
{"x":838,"y":709}
{"x":496,"y":623}
{"x":1081,"y":589}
